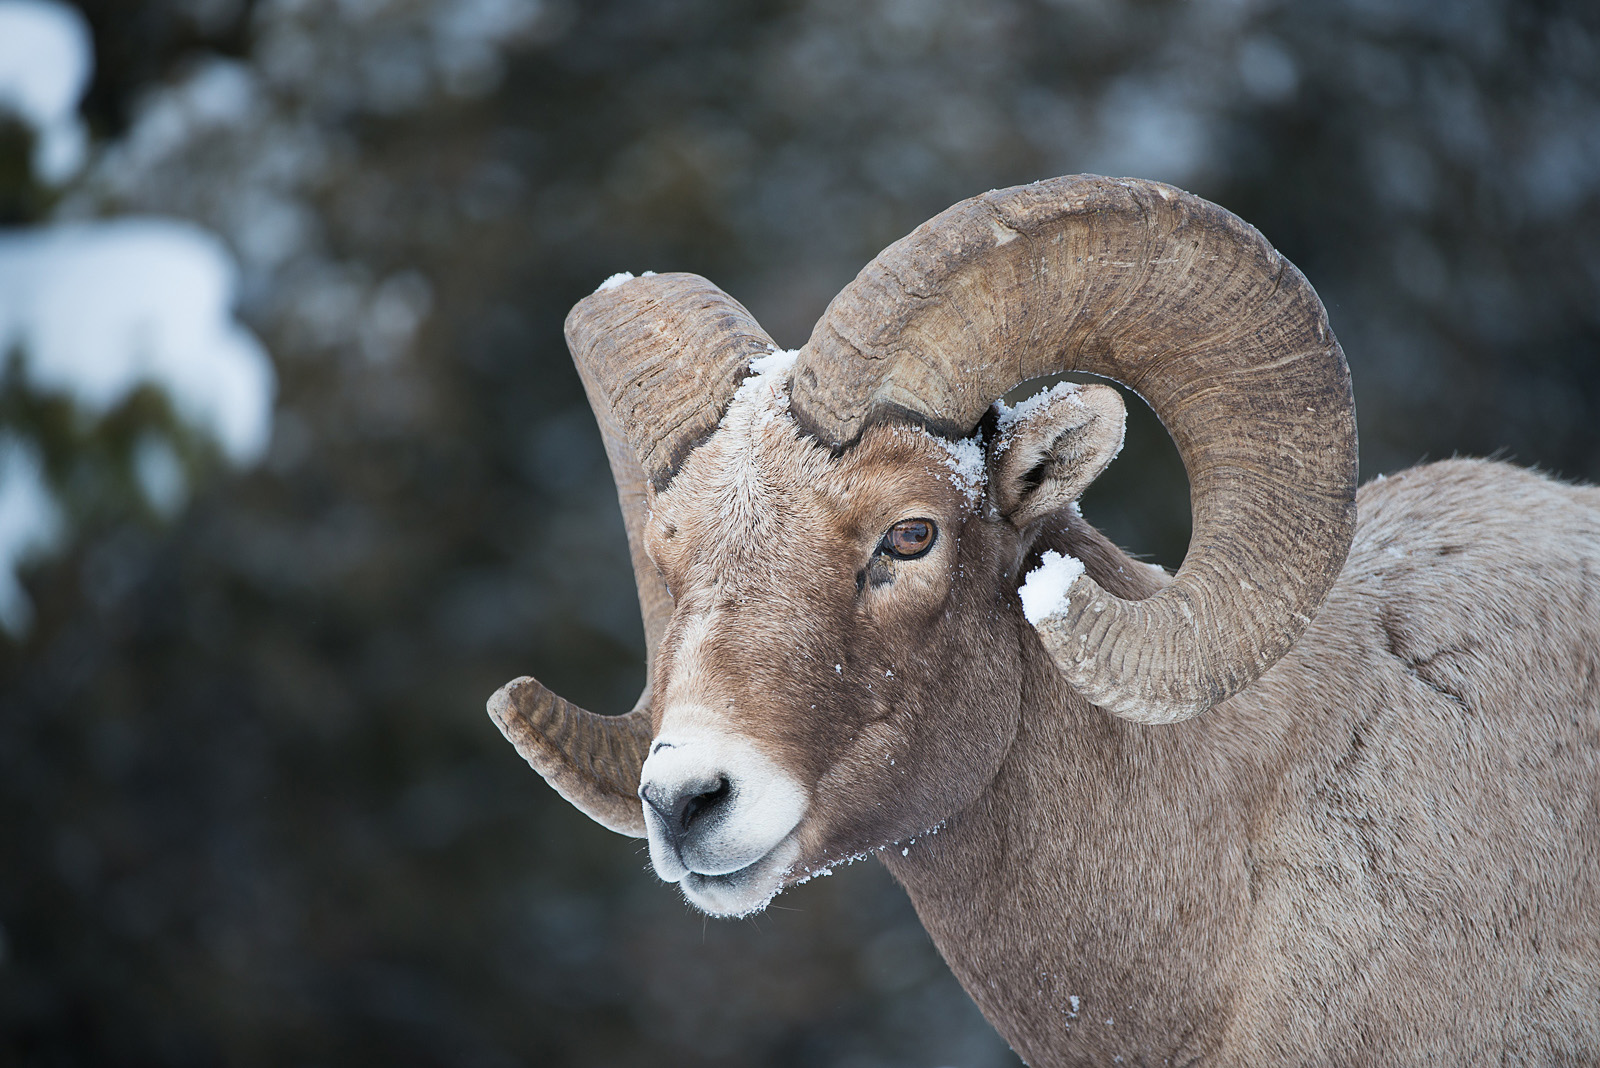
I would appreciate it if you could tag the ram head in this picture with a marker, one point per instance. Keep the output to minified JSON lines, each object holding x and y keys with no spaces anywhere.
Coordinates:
{"x":829,"y":544}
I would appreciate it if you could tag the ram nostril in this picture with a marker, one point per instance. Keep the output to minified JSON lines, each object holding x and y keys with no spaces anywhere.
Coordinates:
{"x":693,"y":808}
{"x":679,"y":812}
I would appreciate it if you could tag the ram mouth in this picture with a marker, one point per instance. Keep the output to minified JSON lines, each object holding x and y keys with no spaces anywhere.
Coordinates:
{"x":746,"y":890}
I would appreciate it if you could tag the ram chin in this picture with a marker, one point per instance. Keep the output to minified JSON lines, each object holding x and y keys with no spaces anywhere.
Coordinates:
{"x":747,"y":890}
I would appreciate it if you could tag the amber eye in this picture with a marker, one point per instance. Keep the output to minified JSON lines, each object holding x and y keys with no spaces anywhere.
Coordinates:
{"x":909,"y":538}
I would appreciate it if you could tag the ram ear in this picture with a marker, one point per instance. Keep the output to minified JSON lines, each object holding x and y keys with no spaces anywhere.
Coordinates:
{"x":1048,"y":449}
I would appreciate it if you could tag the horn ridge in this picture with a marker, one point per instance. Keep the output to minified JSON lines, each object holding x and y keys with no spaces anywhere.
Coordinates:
{"x":663,"y":355}
{"x":593,"y":761}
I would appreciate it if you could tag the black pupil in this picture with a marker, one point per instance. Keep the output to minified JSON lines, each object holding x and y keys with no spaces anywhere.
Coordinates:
{"x":910,"y":537}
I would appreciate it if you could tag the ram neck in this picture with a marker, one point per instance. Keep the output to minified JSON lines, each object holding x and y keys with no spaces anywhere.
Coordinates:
{"x":1091,"y":900}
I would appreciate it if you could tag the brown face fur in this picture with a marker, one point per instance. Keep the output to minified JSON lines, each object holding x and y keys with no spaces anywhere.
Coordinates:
{"x":888,"y":688}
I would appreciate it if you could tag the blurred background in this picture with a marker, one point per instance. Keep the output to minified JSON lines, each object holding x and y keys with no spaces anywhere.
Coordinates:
{"x":295,"y":471}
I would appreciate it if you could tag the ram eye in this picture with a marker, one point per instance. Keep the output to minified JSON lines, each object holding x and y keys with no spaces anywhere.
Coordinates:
{"x":909,"y":538}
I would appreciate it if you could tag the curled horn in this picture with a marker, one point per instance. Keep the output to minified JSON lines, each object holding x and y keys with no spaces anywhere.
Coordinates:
{"x":660,"y":357}
{"x":1191,"y":308}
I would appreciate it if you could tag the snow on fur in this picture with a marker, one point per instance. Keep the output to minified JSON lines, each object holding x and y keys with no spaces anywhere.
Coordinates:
{"x":966,"y":463}
{"x":766,"y":389}
{"x":1010,"y":418}
{"x":1044,"y":591}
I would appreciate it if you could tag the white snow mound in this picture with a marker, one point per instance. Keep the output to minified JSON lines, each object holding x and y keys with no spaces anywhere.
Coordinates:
{"x":1044,"y":591}
{"x":45,"y":63}
{"x":98,"y":308}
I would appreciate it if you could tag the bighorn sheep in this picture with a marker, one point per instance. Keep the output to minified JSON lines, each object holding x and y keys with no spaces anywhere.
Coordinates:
{"x":1380,"y":843}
